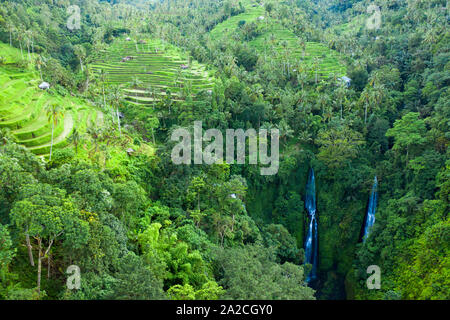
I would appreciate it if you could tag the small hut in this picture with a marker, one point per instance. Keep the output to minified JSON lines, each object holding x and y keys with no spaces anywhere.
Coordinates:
{"x":184,"y":67}
{"x":128,"y":39}
{"x":345,"y":80}
{"x":127,"y":58}
{"x":44,"y":86}
{"x":130,"y":151}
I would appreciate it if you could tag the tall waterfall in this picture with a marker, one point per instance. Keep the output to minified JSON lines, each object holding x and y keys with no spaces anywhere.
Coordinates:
{"x":372,"y":207}
{"x":311,"y":237}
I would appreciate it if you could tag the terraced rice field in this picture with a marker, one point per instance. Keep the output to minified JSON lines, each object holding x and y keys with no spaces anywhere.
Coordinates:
{"x":227,"y":27}
{"x":157,"y":65}
{"x":275,"y":35}
{"x":23,"y":110}
{"x":328,"y":60}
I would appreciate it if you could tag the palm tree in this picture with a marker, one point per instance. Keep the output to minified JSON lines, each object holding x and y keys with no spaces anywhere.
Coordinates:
{"x":316,"y":65}
{"x":28,"y":38}
{"x":89,"y":75}
{"x":54,"y":112}
{"x":95,"y":134}
{"x":11,"y":28}
{"x":39,"y":63}
{"x":136,"y":82}
{"x":75,"y":138}
{"x":103,"y":75}
{"x":285,"y":130}
{"x":116,"y":98}
{"x":20,"y":37}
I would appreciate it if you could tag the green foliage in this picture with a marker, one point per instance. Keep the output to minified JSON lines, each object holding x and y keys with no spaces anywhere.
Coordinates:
{"x":141,"y":227}
{"x":251,"y":273}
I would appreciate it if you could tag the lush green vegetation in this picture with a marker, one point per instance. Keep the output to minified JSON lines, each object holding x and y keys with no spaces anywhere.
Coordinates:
{"x":106,"y":196}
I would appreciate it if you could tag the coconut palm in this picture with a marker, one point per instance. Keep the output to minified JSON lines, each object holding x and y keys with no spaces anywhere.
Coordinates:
{"x":11,"y":28}
{"x":285,"y":130}
{"x":103,"y":75}
{"x":95,"y":134}
{"x":116,"y":98}
{"x":54,"y":112}
{"x":40,"y":61}
{"x":136,"y":83}
{"x":75,"y":138}
{"x":20,"y":37}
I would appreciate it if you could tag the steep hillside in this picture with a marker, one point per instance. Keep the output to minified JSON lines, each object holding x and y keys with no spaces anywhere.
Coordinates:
{"x":24,"y":107}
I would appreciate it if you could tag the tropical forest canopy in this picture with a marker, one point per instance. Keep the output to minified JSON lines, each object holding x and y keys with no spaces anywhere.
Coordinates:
{"x":86,"y":176}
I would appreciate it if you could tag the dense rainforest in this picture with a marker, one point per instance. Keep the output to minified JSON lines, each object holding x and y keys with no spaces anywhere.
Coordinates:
{"x":357,"y":89}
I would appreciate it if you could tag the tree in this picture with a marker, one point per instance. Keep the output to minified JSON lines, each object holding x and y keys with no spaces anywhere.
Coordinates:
{"x":408,"y":132}
{"x":80,"y":52}
{"x":46,"y":214}
{"x":11,"y":28}
{"x":371,"y":97}
{"x":285,"y":130}
{"x":75,"y":138}
{"x":269,"y":7}
{"x":103,"y":75}
{"x":7,"y":252}
{"x":153,"y":123}
{"x":338,"y":145}
{"x":40,"y":62}
{"x":54,"y":112}
{"x":249,"y":272}
{"x":136,"y":82}
{"x":136,"y":281}
{"x":116,"y":97}
{"x":6,"y":136}
{"x":196,"y":189}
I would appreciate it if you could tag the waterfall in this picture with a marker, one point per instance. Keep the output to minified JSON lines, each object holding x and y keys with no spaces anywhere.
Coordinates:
{"x":371,"y":208}
{"x":311,"y":237}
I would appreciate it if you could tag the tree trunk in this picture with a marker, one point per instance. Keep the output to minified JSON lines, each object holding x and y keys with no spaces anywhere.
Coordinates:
{"x":30,"y":252}
{"x":118,"y":119}
{"x":87,"y":83}
{"x":51,"y":144}
{"x":81,"y":64}
{"x":104,"y":99}
{"x":48,"y":266}
{"x":365,"y":113}
{"x":10,"y":38}
{"x":39,"y":266}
